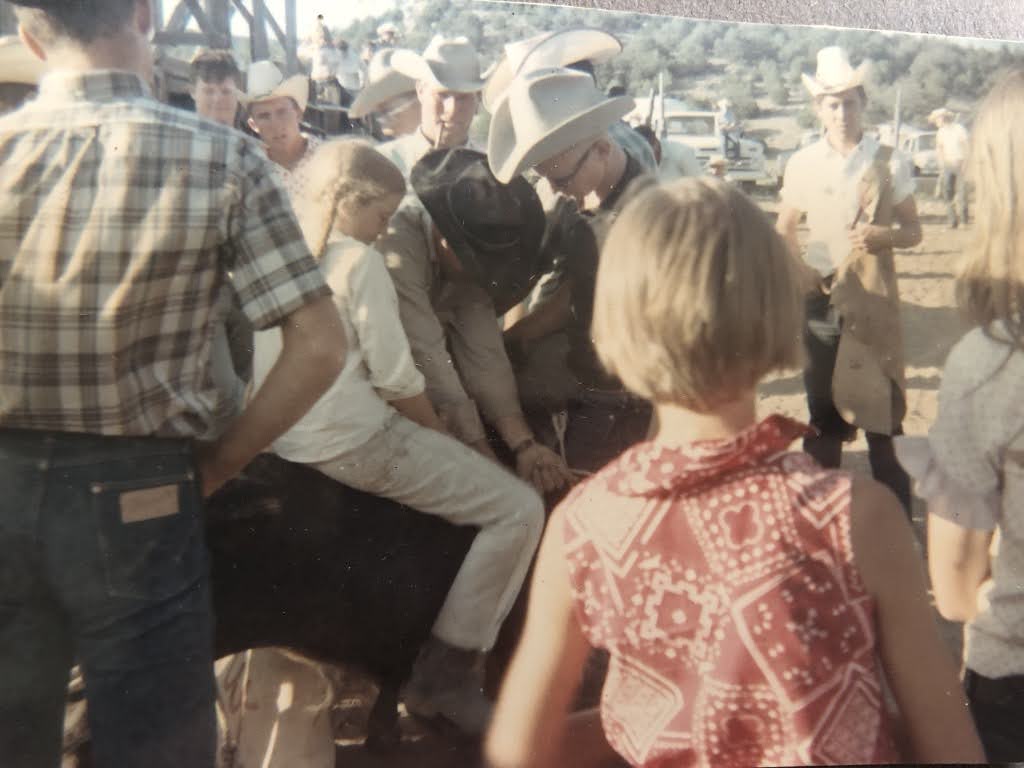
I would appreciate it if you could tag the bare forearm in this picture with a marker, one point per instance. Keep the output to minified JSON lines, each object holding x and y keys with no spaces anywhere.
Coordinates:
{"x":514,"y":315}
{"x":958,"y":563}
{"x":419,"y":409}
{"x":513,"y":429}
{"x":956,"y":596}
{"x":311,"y":358}
{"x":551,"y":316}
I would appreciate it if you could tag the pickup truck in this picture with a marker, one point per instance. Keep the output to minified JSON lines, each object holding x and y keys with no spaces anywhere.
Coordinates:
{"x":698,"y":130}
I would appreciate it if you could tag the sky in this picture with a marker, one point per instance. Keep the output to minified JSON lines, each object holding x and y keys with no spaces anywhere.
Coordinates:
{"x":337,"y":13}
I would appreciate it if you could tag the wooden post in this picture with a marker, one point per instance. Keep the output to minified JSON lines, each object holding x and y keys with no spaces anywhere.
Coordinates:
{"x":219,"y":14}
{"x":179,"y":18}
{"x":158,"y":15}
{"x":258,"y":43}
{"x":292,"y":32}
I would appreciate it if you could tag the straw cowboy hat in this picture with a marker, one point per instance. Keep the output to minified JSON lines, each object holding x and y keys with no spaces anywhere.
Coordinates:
{"x":549,"y":49}
{"x":383,"y":83}
{"x":834,"y":74}
{"x":494,"y":229}
{"x":17,"y":64}
{"x":265,"y":81}
{"x":544,"y":113}
{"x":450,"y":63}
{"x":940,"y":114}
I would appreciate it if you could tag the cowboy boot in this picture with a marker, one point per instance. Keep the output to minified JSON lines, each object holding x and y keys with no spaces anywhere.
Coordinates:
{"x":447,"y":682}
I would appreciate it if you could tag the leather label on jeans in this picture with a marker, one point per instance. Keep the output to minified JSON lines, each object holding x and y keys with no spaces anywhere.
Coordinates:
{"x":149,"y":503}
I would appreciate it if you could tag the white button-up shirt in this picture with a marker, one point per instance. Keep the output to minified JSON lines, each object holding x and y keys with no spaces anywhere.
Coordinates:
{"x":824,"y":184}
{"x":952,"y":140}
{"x":378,"y":367}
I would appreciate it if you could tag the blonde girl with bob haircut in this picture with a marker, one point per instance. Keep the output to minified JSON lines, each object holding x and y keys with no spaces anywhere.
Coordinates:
{"x":376,"y":430}
{"x":971,"y":466}
{"x":752,"y":602}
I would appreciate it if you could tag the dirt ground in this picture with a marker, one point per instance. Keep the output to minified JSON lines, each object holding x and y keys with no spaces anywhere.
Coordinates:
{"x":931,"y":327}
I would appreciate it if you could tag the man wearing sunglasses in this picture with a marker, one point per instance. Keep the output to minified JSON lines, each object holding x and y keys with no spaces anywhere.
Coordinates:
{"x":566,"y":140}
{"x":389,"y":97}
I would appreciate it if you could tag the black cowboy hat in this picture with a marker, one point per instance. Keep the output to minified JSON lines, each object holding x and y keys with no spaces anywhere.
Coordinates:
{"x":494,"y":229}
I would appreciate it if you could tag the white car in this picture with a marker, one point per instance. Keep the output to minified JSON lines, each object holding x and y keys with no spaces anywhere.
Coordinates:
{"x":698,"y":130}
{"x":920,"y":148}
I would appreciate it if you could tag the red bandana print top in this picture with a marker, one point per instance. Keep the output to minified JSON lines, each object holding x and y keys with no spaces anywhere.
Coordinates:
{"x":720,"y":577}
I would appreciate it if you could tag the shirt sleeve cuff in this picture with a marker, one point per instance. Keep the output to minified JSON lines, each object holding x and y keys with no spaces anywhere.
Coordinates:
{"x":959,"y":506}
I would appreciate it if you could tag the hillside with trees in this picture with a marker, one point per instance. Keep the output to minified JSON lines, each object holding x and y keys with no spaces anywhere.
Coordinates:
{"x":756,"y":66}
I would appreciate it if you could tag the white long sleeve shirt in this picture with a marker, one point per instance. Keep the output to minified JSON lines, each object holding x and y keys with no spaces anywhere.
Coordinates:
{"x":379,"y":366}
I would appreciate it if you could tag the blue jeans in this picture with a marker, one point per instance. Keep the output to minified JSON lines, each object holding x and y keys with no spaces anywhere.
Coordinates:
{"x":102,"y":559}
{"x":951,"y":181}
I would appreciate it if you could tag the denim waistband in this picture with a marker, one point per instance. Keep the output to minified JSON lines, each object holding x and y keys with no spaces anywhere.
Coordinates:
{"x":71,"y":446}
{"x":982,"y":687}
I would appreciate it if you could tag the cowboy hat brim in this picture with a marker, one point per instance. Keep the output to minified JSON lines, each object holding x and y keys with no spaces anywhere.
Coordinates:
{"x":413,"y":65}
{"x":818,"y":88}
{"x":559,"y":49}
{"x":506,"y":272}
{"x":374,"y":94}
{"x":509,"y":156}
{"x":295,"y":87}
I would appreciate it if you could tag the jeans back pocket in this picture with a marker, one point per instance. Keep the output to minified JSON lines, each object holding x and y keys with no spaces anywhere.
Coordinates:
{"x":150,"y":534}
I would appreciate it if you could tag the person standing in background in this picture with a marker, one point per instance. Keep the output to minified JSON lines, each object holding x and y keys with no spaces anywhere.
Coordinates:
{"x":216,"y":86}
{"x":859,"y":199}
{"x":129,"y":227}
{"x":951,"y":142}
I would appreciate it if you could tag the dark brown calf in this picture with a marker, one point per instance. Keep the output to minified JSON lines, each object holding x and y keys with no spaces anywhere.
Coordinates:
{"x":301,"y":561}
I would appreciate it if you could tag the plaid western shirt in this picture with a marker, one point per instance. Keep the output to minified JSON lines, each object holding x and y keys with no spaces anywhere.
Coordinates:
{"x":125,"y":228}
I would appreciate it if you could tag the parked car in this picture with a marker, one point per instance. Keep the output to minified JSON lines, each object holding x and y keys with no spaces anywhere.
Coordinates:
{"x":919,"y":146}
{"x":699,"y":131}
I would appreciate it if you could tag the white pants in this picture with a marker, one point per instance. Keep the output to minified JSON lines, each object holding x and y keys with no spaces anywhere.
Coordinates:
{"x":283,"y":718}
{"x":438,"y":475}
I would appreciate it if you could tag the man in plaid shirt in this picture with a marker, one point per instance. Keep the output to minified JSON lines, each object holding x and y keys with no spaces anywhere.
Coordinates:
{"x":127,"y":228}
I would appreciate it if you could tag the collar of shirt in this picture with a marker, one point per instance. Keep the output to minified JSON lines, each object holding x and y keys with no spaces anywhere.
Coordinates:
{"x":97,"y":85}
{"x":631,"y":171}
{"x":865,"y":147}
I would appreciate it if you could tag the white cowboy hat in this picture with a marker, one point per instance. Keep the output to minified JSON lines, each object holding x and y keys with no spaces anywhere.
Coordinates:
{"x":548,"y":49}
{"x":543,"y":113}
{"x":383,"y":82}
{"x":17,"y":64}
{"x":834,"y":74}
{"x":723,"y":103}
{"x":451,"y":63}
{"x":386,"y":27}
{"x":941,"y":112}
{"x":265,"y":81}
